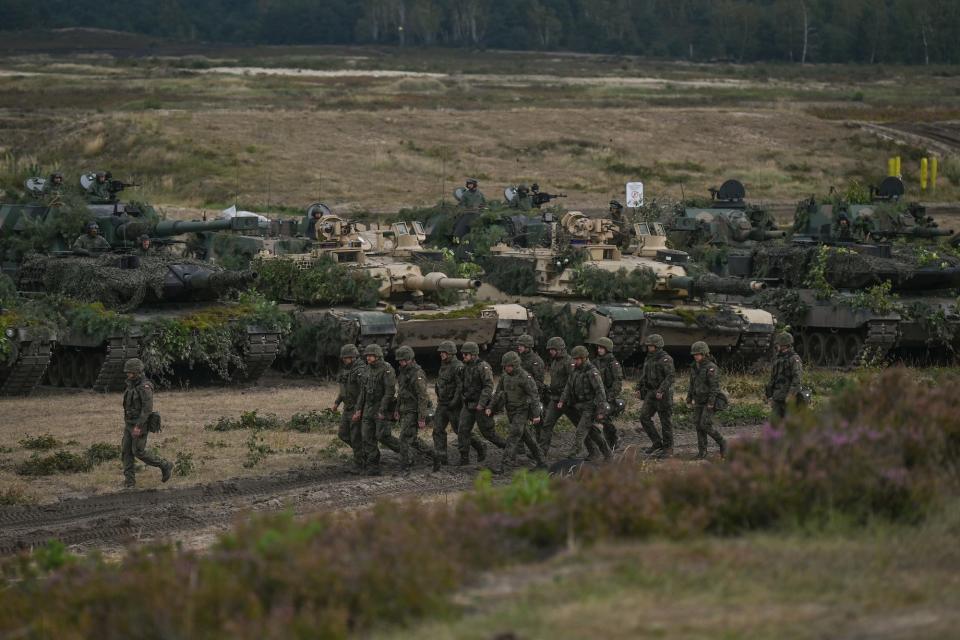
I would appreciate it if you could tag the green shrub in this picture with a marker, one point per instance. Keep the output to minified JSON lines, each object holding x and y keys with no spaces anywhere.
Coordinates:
{"x":183,"y":464}
{"x":59,"y":462}
{"x":43,"y":442}
{"x":100,"y":452}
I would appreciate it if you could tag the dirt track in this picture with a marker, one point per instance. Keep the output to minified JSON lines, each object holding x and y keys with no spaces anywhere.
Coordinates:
{"x":193,"y":515}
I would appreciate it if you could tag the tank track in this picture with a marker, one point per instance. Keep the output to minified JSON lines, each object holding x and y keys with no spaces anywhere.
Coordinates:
{"x":28,"y":369}
{"x":881,"y":338}
{"x":119,"y":349}
{"x":259,"y":352}
{"x":753,"y":347}
{"x":627,"y":339}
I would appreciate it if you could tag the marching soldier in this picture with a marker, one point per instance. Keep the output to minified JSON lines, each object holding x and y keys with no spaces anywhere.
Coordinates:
{"x":786,"y":376}
{"x":350,"y":379}
{"x":561,"y":366}
{"x":655,"y":388}
{"x":584,"y":391}
{"x":531,"y":361}
{"x":612,"y":374}
{"x":413,"y":408}
{"x":449,"y":388}
{"x":704,"y":394}
{"x":138,"y":418}
{"x":477,"y":396}
{"x":375,"y":408}
{"x":517,"y":392}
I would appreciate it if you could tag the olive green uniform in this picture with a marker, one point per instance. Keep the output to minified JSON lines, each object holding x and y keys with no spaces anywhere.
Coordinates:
{"x":413,"y":405}
{"x":657,"y":376}
{"x":522,"y":202}
{"x":533,"y":364}
{"x":518,"y":392}
{"x":560,"y":369}
{"x":477,"y":396}
{"x":376,"y":401}
{"x":584,"y":391}
{"x":99,"y":191}
{"x":703,"y":392}
{"x":350,"y":379}
{"x":472,"y":199}
{"x":449,"y":388}
{"x":612,"y":374}
{"x":137,"y":407}
{"x":786,"y":376}
{"x":86,"y":242}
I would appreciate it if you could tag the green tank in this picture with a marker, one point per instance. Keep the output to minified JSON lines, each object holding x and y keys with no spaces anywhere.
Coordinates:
{"x":180,"y":315}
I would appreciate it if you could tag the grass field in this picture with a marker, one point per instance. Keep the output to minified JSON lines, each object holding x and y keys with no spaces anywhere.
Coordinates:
{"x":371,"y":129}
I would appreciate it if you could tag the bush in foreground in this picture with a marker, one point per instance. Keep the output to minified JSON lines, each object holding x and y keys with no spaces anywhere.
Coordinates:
{"x":887,"y":450}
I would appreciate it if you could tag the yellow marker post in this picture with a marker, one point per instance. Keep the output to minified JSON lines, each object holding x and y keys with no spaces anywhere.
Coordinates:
{"x":891,"y":167}
{"x":924,"y":163}
{"x":933,"y":172}
{"x":899,"y":172}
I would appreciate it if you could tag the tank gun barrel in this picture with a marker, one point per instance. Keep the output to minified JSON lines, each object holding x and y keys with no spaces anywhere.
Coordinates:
{"x":716,"y":284}
{"x":767,"y":234}
{"x":918,"y":232}
{"x":435,"y":281}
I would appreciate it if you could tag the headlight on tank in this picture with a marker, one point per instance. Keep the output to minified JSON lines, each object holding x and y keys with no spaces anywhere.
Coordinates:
{"x":10,"y":333}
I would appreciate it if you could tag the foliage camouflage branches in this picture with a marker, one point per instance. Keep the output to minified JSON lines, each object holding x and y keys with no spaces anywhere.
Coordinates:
{"x":887,"y":450}
{"x":600,"y":285}
{"x":565,"y":320}
{"x":513,"y":276}
{"x":877,"y":298}
{"x":322,"y":282}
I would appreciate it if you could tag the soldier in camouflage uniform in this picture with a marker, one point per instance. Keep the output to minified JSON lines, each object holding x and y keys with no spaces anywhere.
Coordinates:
{"x":413,"y":408}
{"x":521,"y":199}
{"x":517,"y":392}
{"x":449,"y":388}
{"x":531,"y":361}
{"x":376,"y":408}
{"x":584,"y":391}
{"x":90,"y":240}
{"x":560,"y":368}
{"x":99,"y":189}
{"x":350,"y":379}
{"x":655,"y":388}
{"x":472,"y":197}
{"x":52,"y":188}
{"x":477,"y":396}
{"x":137,"y":407}
{"x":703,"y":394}
{"x":786,"y":377}
{"x":612,"y":374}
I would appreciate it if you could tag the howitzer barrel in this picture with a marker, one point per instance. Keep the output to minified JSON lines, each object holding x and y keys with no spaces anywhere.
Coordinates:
{"x":218,"y":280}
{"x":436,"y":281}
{"x":760,"y":234}
{"x":716,"y":284}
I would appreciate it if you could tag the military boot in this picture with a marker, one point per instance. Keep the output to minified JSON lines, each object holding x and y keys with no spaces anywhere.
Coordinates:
{"x":653,"y":449}
{"x":481,"y":452}
{"x":437,"y":462}
{"x":665,"y":452}
{"x":463,"y":460}
{"x":129,"y":483}
{"x":166,"y":470}
{"x":722,"y":443}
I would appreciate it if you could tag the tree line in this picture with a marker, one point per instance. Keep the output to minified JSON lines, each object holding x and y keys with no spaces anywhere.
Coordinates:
{"x":799,"y":31}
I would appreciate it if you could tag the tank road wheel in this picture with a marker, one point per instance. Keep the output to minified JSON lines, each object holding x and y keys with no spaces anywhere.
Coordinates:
{"x":301,"y":367}
{"x":54,"y":373}
{"x":815,"y":346}
{"x":799,"y":345}
{"x":69,"y":368}
{"x":852,"y":346}
{"x":833,"y":353}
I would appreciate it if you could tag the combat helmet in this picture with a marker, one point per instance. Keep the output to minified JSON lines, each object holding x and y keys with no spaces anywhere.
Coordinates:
{"x":373,"y":350}
{"x":615,"y":204}
{"x":471,"y":348}
{"x":510,"y":359}
{"x":404,"y":353}
{"x":654,"y":340}
{"x":699,"y":347}
{"x":604,"y":342}
{"x":580,"y":351}
{"x":91,"y":225}
{"x":526,"y":340}
{"x":447,"y":346}
{"x":783,"y":340}
{"x":133,"y":365}
{"x":556,"y":342}
{"x":349,"y":351}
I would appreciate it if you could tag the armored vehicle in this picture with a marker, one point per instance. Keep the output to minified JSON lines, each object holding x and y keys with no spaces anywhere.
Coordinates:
{"x":625,"y":291}
{"x":131,"y":300}
{"x":367,"y":284}
{"x":24,"y":353}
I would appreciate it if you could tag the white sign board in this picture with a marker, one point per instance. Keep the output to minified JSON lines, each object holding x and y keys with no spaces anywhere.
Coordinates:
{"x":634,"y":194}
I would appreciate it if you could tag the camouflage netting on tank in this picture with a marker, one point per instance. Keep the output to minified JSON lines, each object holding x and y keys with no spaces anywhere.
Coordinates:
{"x":103,"y":279}
{"x":62,"y":227}
{"x":791,"y":309}
{"x":312,"y":342}
{"x":600,"y":285}
{"x":570,"y":322}
{"x":324,"y":282}
{"x":513,"y":276}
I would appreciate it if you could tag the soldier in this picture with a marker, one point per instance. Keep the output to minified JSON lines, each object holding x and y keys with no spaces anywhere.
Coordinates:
{"x":584,"y":391}
{"x":612,"y":374}
{"x":449,"y":388}
{"x":413,"y":408}
{"x":375,"y":407}
{"x":655,"y":388}
{"x":531,"y":361}
{"x":350,"y":379}
{"x":315,"y":216}
{"x":143,"y":245}
{"x":518,"y":392}
{"x":703,"y":394}
{"x":472,"y":197}
{"x":477,"y":396}
{"x":53,"y":187}
{"x":521,"y":199}
{"x":560,"y":368}
{"x":137,"y":410}
{"x":90,"y":240}
{"x":786,"y":376}
{"x":99,"y":190}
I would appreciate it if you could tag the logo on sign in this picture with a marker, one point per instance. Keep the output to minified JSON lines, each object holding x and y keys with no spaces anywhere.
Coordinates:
{"x":634,"y":194}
